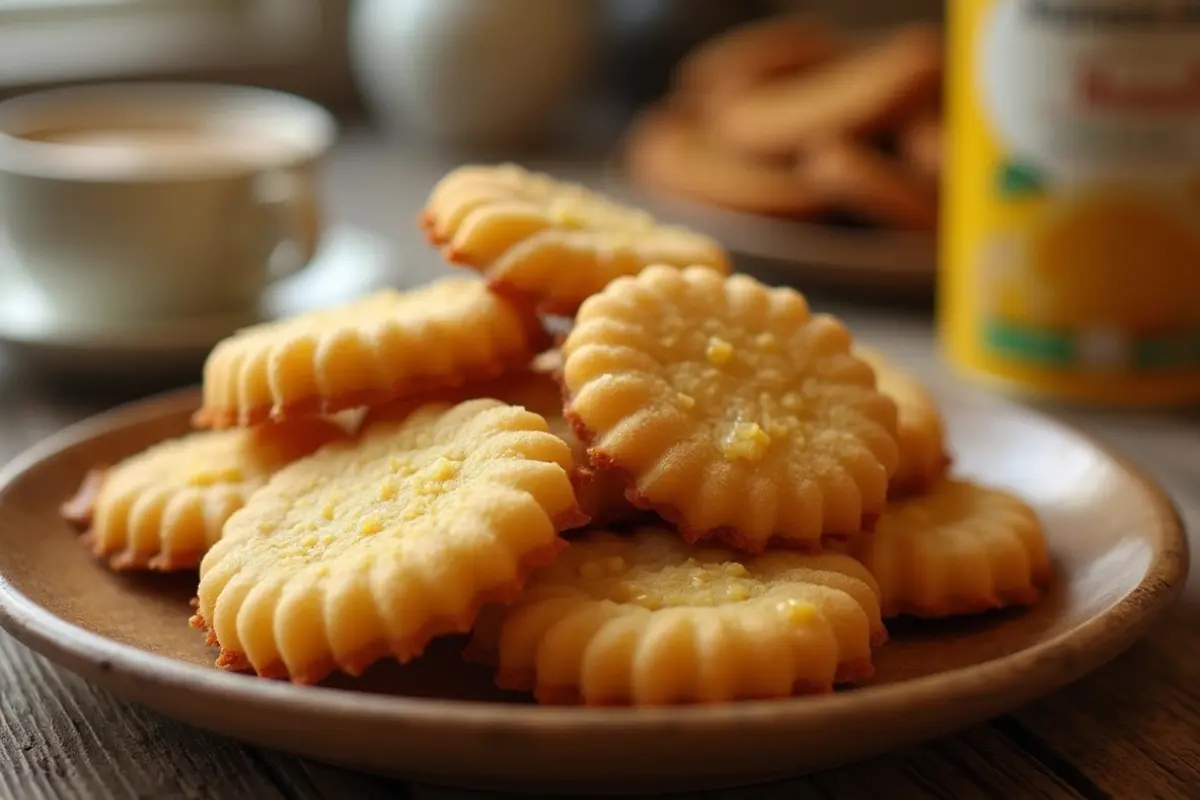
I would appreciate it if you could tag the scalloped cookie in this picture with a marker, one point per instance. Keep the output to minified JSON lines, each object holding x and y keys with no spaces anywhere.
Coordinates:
{"x":552,"y":242}
{"x":370,"y":549}
{"x":730,"y":409}
{"x":960,"y":549}
{"x":919,"y":429}
{"x":163,"y":508}
{"x":649,"y":620}
{"x":386,"y":345}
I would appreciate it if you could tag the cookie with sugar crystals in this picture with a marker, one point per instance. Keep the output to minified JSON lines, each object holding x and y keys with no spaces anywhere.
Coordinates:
{"x":920,"y":433}
{"x":649,"y":620}
{"x":386,"y":345}
{"x":730,"y":409}
{"x":370,"y":549}
{"x":601,"y":494}
{"x":959,"y":549}
{"x":551,"y":242}
{"x":163,"y":508}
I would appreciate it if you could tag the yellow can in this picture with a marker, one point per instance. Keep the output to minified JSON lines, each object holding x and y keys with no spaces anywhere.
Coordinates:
{"x":1070,"y":254}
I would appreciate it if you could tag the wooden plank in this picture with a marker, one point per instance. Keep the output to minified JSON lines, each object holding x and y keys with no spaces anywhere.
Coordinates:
{"x":61,"y":738}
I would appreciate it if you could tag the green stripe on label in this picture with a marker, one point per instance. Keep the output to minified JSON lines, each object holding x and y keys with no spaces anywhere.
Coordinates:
{"x":1029,"y":344}
{"x":1160,"y":353}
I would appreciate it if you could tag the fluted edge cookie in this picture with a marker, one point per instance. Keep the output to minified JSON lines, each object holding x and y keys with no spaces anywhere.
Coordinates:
{"x":730,"y":409}
{"x":646,"y":619}
{"x":386,"y":345}
{"x":370,"y":549}
{"x":959,"y":549}
{"x":920,"y":433}
{"x":163,"y":508}
{"x":551,"y":243}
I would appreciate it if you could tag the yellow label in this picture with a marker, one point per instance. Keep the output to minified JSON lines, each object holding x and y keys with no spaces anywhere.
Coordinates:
{"x":1071,"y":215}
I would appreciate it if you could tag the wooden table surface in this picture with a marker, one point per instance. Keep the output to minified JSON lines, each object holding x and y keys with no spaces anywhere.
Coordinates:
{"x":1130,"y":730}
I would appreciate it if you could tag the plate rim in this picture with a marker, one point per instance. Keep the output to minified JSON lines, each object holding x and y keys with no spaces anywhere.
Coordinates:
{"x":1049,"y":664}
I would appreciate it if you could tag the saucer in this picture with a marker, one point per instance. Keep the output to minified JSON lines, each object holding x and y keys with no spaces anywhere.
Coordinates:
{"x":350,"y":263}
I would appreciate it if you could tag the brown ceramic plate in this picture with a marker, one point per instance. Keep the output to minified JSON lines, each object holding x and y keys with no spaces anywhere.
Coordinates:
{"x":1120,"y":553}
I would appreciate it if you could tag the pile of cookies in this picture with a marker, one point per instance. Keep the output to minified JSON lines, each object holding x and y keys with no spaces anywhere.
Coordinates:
{"x":702,"y":492}
{"x":789,"y":117}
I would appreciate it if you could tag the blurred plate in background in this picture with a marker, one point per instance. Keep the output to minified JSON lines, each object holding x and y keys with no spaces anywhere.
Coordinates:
{"x":870,"y":260}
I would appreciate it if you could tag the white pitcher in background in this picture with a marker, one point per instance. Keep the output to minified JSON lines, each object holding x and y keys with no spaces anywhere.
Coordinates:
{"x":467,"y":74}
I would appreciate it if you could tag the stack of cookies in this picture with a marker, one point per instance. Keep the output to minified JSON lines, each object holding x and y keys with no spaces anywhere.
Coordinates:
{"x":703,"y":492}
{"x":789,"y":117}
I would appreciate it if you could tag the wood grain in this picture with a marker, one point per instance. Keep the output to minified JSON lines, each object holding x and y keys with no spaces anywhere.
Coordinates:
{"x":1129,"y":730}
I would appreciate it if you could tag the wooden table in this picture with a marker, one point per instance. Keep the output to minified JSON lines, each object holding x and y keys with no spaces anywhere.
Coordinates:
{"x":1131,"y":730}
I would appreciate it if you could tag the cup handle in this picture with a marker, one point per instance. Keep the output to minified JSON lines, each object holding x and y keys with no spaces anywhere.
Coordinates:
{"x":289,"y":201}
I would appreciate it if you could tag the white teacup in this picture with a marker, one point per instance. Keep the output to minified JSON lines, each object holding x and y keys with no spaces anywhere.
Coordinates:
{"x":136,"y":202}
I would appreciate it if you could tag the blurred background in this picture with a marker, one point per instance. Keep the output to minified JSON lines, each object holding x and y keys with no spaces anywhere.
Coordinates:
{"x":420,"y":86}
{"x":307,"y":46}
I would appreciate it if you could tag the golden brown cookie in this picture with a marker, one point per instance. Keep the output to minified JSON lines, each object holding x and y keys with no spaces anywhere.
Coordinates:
{"x":920,"y":144}
{"x":370,"y":549}
{"x":381,"y":347}
{"x":163,"y":508}
{"x":854,"y":178}
{"x":601,"y":494}
{"x":861,"y":93}
{"x":731,"y":409}
{"x":668,"y":151}
{"x":752,"y":53}
{"x":959,"y":549}
{"x":920,"y":433}
{"x":645,"y":619}
{"x":551,"y":243}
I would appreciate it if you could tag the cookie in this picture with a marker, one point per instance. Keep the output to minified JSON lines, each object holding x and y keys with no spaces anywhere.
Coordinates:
{"x":549,"y":242}
{"x":730,"y":409}
{"x":858,"y":180}
{"x":164,"y":507}
{"x":958,"y":549}
{"x":919,"y":142}
{"x":386,"y":345}
{"x":601,"y":495}
{"x":752,"y":53}
{"x":920,"y":433}
{"x":372,"y":548}
{"x":861,"y":94}
{"x":648,"y":620}
{"x":668,"y":151}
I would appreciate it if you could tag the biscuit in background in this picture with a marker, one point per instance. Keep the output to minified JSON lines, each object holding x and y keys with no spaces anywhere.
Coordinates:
{"x":919,"y":142}
{"x":865,"y":183}
{"x":669,"y":151}
{"x":747,"y":55}
{"x":864,"y":93}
